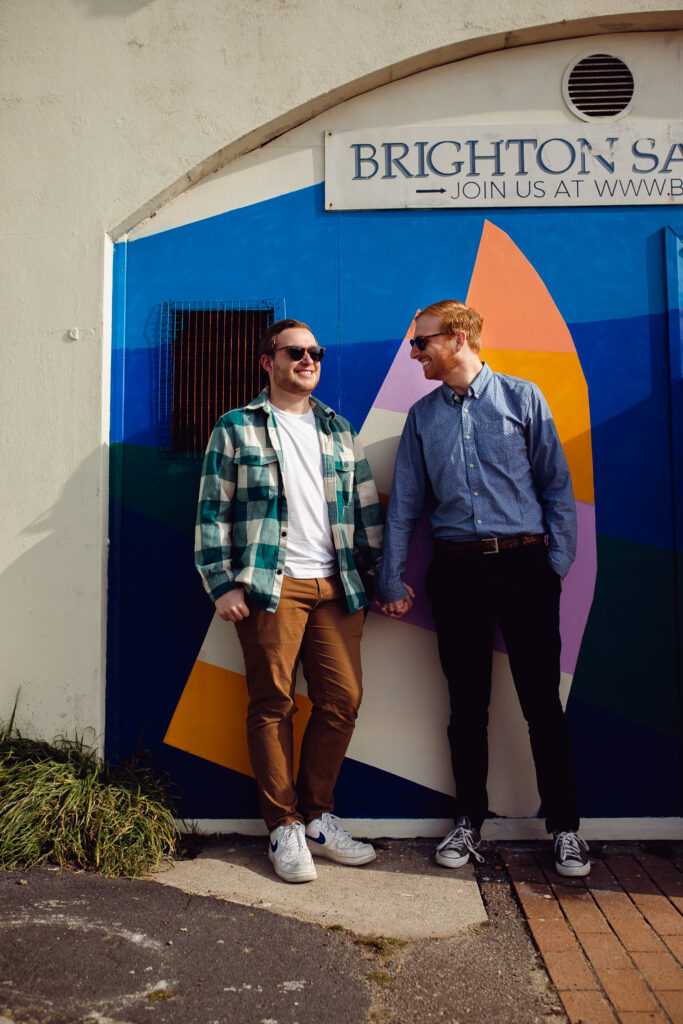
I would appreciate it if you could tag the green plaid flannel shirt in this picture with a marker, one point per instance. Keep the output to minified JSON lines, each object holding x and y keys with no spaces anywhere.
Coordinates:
{"x":240,"y":538}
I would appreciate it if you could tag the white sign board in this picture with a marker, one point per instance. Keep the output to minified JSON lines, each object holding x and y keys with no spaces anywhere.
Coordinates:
{"x":611,"y":164}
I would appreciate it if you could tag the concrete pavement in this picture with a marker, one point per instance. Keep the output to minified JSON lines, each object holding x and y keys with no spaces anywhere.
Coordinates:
{"x":402,"y":894}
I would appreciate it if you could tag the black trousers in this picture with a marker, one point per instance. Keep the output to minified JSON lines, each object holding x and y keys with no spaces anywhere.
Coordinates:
{"x":520,"y":591}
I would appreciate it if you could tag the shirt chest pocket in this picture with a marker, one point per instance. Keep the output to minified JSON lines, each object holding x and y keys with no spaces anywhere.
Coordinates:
{"x":344,"y":471}
{"x":502,"y":443}
{"x":257,"y":473}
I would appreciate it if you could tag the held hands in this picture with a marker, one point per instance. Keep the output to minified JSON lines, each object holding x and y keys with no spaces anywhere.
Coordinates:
{"x":397,"y":609}
{"x":231,"y":606}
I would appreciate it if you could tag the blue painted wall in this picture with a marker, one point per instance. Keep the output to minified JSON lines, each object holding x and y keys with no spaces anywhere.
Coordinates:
{"x":357,"y":279}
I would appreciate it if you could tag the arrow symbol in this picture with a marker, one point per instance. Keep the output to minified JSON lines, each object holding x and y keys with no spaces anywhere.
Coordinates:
{"x":430,"y":189}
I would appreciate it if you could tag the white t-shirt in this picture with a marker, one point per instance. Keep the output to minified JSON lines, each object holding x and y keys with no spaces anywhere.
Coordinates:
{"x":310,"y":549}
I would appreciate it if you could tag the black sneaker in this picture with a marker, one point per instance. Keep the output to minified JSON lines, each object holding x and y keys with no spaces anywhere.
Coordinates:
{"x":571,"y":855}
{"x":456,"y":848}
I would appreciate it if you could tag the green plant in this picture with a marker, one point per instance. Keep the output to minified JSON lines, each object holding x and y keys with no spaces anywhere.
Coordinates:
{"x":379,"y":977}
{"x":60,"y":802}
{"x":381,"y":945}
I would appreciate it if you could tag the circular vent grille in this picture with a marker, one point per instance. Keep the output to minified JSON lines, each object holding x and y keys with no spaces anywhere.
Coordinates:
{"x":598,"y":86}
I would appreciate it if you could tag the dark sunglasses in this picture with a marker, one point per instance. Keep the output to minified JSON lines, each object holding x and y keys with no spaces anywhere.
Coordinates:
{"x":422,"y":339}
{"x":296,"y":352}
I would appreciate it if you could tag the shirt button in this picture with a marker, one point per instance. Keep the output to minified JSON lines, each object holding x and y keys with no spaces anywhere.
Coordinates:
{"x":467,"y":437}
{"x":464,"y":408}
{"x":471,"y":465}
{"x":479,"y":521}
{"x":476,"y":494}
{"x":279,"y":572}
{"x":284,"y":533}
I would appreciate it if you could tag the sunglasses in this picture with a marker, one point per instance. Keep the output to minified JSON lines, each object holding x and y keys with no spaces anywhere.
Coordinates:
{"x":296,"y":352}
{"x":422,"y":339}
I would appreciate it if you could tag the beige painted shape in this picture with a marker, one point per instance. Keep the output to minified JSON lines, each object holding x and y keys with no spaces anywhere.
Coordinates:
{"x":512,"y":779}
{"x":403,"y":894}
{"x":402,"y":723}
{"x":401,"y":726}
{"x":221,"y":646}
{"x":379,"y":436}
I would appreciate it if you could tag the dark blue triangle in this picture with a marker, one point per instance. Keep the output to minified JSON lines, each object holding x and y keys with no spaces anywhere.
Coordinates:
{"x":366,"y":792}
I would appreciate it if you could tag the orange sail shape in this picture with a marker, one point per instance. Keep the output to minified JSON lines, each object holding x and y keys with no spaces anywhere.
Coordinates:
{"x":209,"y":719}
{"x":524,"y":335}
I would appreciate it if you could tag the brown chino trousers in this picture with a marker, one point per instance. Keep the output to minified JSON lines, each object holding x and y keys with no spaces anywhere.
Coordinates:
{"x":312,"y":623}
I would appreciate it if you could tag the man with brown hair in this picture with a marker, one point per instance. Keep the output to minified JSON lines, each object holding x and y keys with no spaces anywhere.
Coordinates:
{"x":288,"y":520}
{"x":485,"y":447}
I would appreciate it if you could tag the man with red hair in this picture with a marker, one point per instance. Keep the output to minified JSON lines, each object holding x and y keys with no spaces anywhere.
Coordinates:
{"x":485,"y":447}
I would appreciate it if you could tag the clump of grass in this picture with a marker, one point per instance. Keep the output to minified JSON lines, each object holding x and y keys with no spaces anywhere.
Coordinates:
{"x":59,"y":802}
{"x":381,"y":945}
{"x":379,"y":977}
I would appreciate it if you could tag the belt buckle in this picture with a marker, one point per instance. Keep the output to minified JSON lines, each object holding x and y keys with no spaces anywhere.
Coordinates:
{"x":494,"y":549}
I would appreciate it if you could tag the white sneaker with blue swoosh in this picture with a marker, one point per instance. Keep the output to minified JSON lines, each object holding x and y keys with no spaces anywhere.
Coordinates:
{"x":326,"y":838}
{"x":289,"y":855}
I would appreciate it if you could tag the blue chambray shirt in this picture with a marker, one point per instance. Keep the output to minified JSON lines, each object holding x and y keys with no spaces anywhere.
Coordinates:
{"x":495,"y":465}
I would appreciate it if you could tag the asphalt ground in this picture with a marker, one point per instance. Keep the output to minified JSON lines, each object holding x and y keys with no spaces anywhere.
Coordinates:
{"x":77,"y":948}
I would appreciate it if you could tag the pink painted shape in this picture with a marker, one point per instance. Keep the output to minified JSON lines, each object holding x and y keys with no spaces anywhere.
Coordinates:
{"x":419,"y":556}
{"x":577,"y":588}
{"x":404,"y":384}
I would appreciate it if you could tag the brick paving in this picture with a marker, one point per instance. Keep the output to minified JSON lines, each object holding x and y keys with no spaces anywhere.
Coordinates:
{"x":612,"y":942}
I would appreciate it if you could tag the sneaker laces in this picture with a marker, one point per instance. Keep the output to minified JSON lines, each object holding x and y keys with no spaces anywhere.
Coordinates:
{"x":292,"y":839}
{"x":570,"y":846}
{"x":461,"y":836}
{"x":331,"y":825}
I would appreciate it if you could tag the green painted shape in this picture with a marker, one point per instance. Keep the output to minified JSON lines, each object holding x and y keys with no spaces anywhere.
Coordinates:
{"x":628,"y":663}
{"x":628,"y":659}
{"x":156,"y":485}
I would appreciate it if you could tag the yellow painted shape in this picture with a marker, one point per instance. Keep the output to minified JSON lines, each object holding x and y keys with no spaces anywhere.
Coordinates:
{"x":210,"y":719}
{"x":560,"y":378}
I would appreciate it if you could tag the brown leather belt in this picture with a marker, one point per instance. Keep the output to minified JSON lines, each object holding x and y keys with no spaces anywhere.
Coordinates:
{"x":487,"y":546}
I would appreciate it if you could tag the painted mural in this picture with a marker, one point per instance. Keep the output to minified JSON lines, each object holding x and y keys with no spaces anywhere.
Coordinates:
{"x":401,"y":729}
{"x":577,"y":303}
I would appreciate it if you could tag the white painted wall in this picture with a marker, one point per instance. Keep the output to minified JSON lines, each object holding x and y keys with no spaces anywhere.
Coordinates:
{"x":109,"y":108}
{"x":492,"y":89}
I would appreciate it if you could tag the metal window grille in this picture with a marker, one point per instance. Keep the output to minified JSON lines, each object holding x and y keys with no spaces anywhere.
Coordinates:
{"x":208,"y":363}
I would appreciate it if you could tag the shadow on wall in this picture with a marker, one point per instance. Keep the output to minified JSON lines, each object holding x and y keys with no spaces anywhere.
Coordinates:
{"x":112,"y":8}
{"x":51,"y":600}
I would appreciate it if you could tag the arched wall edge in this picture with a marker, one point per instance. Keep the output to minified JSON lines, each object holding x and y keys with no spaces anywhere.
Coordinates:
{"x":644,"y":21}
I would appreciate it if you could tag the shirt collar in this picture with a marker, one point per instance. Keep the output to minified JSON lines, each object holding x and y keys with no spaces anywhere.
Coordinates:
{"x":475,"y":390}
{"x":262,"y":401}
